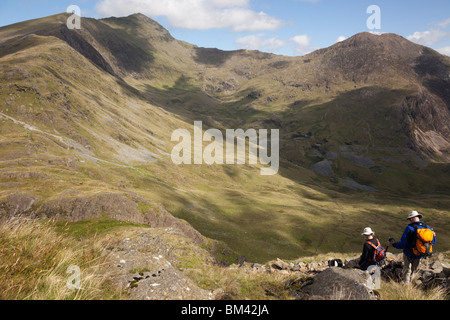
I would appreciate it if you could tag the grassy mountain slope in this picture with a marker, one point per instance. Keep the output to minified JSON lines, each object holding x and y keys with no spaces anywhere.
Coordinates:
{"x":89,"y":113}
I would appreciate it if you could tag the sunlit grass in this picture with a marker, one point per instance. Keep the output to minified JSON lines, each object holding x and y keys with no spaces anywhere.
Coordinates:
{"x":34,"y":260}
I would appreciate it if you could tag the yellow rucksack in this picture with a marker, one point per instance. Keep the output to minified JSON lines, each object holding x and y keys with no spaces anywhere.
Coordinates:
{"x":423,"y":243}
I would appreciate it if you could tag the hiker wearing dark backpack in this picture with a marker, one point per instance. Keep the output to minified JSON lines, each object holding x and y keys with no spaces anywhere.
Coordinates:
{"x":416,"y":242}
{"x":371,"y":250}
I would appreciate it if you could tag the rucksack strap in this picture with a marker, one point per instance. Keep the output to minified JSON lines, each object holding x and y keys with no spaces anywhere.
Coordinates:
{"x":375,"y":247}
{"x":416,"y":225}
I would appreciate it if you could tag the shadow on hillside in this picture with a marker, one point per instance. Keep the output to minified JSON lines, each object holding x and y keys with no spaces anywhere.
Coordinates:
{"x":435,"y":73}
{"x":129,"y":52}
{"x":216,"y":57}
{"x":262,"y":234}
{"x":132,"y":52}
{"x":309,"y":128}
{"x":192,"y":104}
{"x":212,"y":56}
{"x":297,"y":235}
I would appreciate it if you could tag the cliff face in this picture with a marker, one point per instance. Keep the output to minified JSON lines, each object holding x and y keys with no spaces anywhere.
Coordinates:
{"x":426,"y":122}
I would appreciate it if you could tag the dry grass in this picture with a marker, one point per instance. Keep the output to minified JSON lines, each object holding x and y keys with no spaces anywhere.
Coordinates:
{"x":241,"y":284}
{"x":35,"y":256}
{"x":34,"y":260}
{"x":399,"y":291}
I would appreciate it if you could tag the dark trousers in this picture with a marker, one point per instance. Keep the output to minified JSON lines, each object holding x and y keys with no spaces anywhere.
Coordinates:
{"x":366,"y":264}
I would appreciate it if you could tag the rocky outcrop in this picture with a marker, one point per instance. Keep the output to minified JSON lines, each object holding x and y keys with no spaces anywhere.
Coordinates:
{"x":323,"y":167}
{"x":73,"y":206}
{"x":432,"y":273}
{"x":81,"y":207}
{"x":16,"y":203}
{"x":426,"y":121}
{"x":341,"y":280}
{"x":144,"y":267}
{"x":353,"y":185}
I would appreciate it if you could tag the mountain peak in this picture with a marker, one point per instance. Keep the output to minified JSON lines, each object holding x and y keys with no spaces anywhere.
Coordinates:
{"x":139,"y":16}
{"x":389,"y":43}
{"x":365,"y":38}
{"x":142,"y":25}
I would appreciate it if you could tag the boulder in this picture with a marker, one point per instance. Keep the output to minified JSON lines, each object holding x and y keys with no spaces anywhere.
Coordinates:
{"x":323,"y":168}
{"x":351,"y":263}
{"x":280,"y":265}
{"x":16,"y":204}
{"x":437,"y":267}
{"x":341,"y":284}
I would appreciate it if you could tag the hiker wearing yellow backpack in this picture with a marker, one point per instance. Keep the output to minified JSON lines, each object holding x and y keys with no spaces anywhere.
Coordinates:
{"x":417,"y":243}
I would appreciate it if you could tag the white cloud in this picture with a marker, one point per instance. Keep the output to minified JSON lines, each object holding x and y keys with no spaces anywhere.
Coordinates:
{"x":252,"y":42}
{"x":301,"y":43}
{"x":341,"y":38}
{"x":195,"y":14}
{"x":444,"y":24}
{"x":431,"y":36}
{"x":229,"y":3}
{"x":257,"y":42}
{"x":428,"y":37}
{"x":274,"y":44}
{"x":445,"y":50}
{"x":302,"y":40}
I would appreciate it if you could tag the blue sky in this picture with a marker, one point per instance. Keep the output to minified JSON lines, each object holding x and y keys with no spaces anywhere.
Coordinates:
{"x":289,"y":27}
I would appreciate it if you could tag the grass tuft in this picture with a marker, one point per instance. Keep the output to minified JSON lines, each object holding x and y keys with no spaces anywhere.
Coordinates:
{"x":392,"y":290}
{"x":34,"y":260}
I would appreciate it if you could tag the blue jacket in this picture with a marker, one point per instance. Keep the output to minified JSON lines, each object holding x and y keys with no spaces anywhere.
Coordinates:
{"x":406,"y":242}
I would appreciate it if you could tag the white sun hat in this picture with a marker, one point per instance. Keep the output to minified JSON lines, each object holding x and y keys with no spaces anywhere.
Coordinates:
{"x":367,"y":232}
{"x":413,"y":214}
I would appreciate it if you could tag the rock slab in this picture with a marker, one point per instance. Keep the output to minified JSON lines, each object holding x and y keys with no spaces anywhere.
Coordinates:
{"x":341,"y":284}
